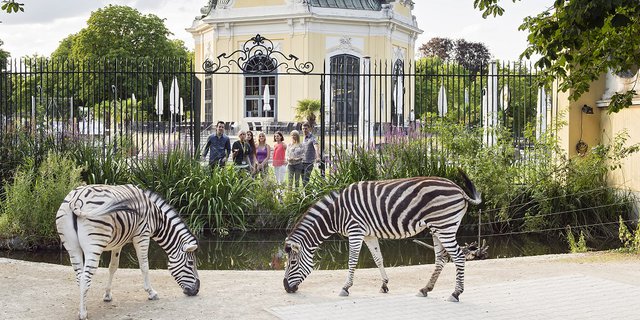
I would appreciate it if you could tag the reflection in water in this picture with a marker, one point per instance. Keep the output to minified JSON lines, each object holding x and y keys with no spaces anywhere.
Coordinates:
{"x":263,"y":251}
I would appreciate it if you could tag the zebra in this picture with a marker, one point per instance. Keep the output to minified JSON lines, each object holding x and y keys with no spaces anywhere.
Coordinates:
{"x":389,"y":209}
{"x":97,"y":218}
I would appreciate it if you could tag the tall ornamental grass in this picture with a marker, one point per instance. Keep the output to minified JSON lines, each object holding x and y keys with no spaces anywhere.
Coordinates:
{"x":33,"y":198}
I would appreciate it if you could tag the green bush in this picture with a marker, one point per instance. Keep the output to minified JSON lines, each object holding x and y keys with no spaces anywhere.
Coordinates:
{"x":33,"y":199}
{"x":630,"y":241}
{"x":217,"y":200}
{"x":109,"y":168}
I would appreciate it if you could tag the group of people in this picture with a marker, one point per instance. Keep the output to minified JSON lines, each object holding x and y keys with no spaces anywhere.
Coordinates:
{"x":297,"y":158}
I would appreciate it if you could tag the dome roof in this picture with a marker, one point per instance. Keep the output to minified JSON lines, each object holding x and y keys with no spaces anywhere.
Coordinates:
{"x":374,"y":5}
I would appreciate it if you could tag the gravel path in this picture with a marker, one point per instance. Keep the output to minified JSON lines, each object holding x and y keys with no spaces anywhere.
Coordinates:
{"x":32,"y":290}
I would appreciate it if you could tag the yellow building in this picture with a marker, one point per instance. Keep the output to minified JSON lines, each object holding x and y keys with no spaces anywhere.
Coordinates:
{"x":333,"y":35}
{"x":588,"y":121}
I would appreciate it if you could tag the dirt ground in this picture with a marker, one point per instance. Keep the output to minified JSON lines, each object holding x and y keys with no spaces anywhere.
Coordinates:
{"x":31,"y":290}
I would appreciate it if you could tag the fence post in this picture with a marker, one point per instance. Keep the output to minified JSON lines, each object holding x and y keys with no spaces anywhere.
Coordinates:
{"x":479,"y":226}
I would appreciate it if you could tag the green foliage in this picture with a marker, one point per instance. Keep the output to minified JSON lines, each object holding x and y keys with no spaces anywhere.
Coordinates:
{"x":307,"y":110}
{"x":19,"y":145}
{"x":109,"y":168}
{"x":12,"y":6}
{"x":218,"y":200}
{"x":122,"y":32}
{"x":32,"y":200}
{"x":630,"y":241}
{"x":579,"y":41}
{"x":579,"y":246}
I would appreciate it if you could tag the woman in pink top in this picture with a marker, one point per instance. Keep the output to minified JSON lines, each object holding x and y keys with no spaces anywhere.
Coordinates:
{"x":279,"y":162}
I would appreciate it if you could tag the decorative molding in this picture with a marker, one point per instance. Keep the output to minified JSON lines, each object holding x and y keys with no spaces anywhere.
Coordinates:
{"x":407,"y":3}
{"x":264,"y":58}
{"x":399,"y":53}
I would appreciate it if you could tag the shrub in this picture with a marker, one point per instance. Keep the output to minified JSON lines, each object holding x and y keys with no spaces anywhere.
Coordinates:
{"x":34,"y":197}
{"x":217,"y":200}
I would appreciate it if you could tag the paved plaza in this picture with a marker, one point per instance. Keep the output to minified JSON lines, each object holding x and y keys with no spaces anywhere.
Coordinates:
{"x":597,"y":285}
{"x":565,"y":297}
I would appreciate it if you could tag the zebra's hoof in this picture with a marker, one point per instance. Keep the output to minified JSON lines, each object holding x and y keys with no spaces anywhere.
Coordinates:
{"x":453,"y":299}
{"x":344,"y":293}
{"x":423,"y":292}
{"x":107,"y":297}
{"x":384,"y":289}
{"x":154,"y":296}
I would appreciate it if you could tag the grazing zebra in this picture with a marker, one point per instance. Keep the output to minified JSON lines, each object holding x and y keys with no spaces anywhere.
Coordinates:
{"x":98,"y":218}
{"x":391,"y":209}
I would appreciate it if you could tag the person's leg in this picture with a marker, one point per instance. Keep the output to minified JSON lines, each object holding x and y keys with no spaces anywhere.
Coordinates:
{"x":306,"y":172}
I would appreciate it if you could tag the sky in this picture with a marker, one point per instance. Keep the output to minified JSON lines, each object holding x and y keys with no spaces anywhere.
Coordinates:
{"x":43,"y":24}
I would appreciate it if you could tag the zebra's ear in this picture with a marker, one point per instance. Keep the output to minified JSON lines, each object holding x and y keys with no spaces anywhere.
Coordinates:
{"x":189,"y":247}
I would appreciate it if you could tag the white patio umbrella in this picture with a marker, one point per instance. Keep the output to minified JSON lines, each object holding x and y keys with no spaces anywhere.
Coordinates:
{"x":466,"y":97}
{"x":504,"y":97}
{"x":266,"y":98}
{"x":174,"y":96}
{"x":133,"y":99}
{"x":398,"y":99}
{"x":160,"y":100}
{"x":181,"y":107}
{"x":541,"y":112}
{"x":442,"y":101}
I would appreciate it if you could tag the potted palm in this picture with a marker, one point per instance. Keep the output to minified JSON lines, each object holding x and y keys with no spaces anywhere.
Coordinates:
{"x":307,"y":110}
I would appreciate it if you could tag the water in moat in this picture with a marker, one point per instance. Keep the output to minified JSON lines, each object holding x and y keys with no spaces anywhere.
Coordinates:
{"x":260,"y":251}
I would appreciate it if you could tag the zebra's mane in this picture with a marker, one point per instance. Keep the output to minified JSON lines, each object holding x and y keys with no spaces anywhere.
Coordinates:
{"x":330,"y":198}
{"x":161,"y":204}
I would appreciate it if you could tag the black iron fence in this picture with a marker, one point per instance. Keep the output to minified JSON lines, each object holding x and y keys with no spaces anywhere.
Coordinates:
{"x":367,"y":104}
{"x":150,"y":107}
{"x":140,"y":107}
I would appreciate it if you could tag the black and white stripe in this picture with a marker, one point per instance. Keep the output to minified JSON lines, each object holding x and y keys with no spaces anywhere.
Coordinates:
{"x":392,"y":209}
{"x":98,"y":218}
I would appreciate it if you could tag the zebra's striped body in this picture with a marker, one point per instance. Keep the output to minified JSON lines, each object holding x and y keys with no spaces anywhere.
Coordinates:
{"x":98,"y":218}
{"x":391,"y":209}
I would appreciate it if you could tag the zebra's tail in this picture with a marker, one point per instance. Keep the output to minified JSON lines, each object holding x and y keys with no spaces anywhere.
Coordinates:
{"x":476,"y":196}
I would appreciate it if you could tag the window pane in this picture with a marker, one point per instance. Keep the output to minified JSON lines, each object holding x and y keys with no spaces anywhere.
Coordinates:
{"x":251,"y":108}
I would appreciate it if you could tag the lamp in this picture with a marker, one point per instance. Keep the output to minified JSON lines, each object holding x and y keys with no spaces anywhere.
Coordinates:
{"x":582,"y":147}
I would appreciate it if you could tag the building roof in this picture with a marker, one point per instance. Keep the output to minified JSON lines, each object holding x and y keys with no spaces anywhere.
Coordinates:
{"x":373,"y":5}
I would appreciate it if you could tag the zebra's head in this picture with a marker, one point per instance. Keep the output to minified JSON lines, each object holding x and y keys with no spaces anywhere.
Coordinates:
{"x":299,"y":265}
{"x":182,"y":265}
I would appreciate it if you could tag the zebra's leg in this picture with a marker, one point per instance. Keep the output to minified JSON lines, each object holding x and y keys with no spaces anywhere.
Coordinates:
{"x":441,"y":259}
{"x":92,"y":259}
{"x":455,"y":252}
{"x":141,"y":244}
{"x":374,"y":248}
{"x":113,"y":266}
{"x":355,"y":245}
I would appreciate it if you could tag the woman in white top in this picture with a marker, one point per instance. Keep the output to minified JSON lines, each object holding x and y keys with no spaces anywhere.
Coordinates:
{"x":295,"y":153}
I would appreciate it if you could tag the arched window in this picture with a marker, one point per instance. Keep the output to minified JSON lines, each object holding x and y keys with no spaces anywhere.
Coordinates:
{"x":345,"y":89}
{"x":259,"y":73}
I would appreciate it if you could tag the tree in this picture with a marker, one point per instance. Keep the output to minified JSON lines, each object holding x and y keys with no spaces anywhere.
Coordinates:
{"x":306,"y":110}
{"x":12,"y":6}
{"x":437,"y":47}
{"x":120,"y":38}
{"x":122,"y":32}
{"x":580,"y":40}
{"x":4,"y":55}
{"x":471,"y":55}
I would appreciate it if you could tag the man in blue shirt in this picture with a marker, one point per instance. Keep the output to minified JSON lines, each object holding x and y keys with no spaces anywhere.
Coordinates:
{"x":220,"y":147}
